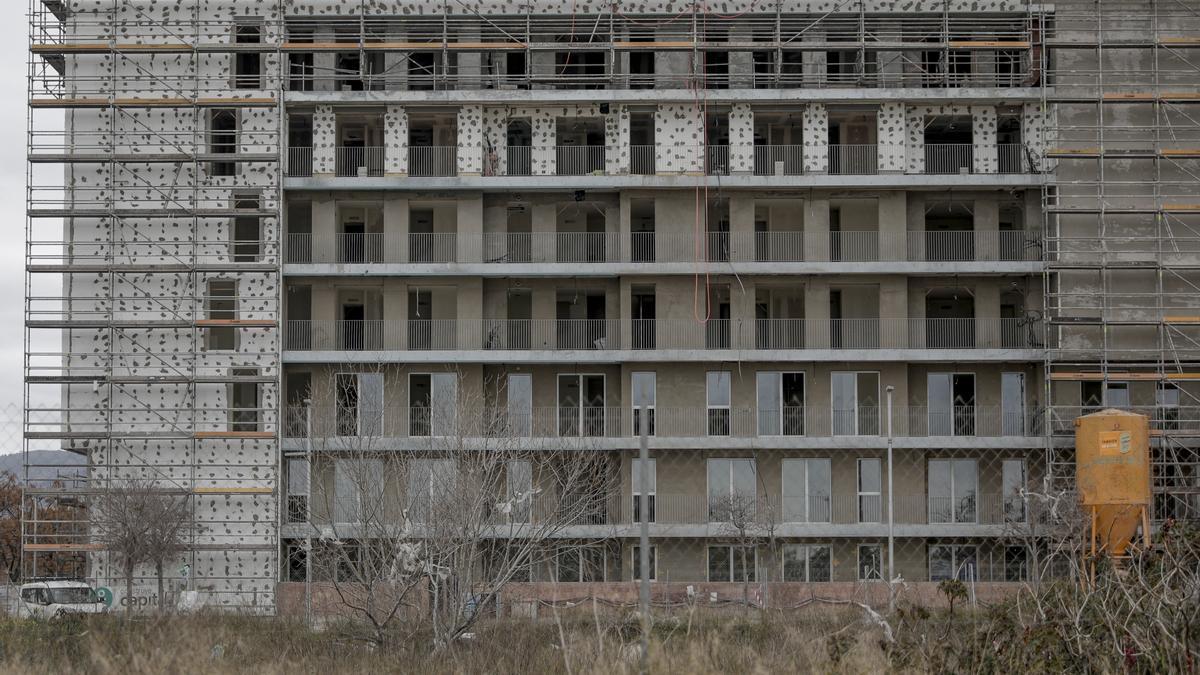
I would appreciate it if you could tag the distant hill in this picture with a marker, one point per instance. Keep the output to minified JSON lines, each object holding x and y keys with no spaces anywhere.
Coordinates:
{"x":47,"y":464}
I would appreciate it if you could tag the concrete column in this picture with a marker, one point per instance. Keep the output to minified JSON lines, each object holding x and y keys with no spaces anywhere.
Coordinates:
{"x":541,"y":65}
{"x":470,"y":70}
{"x":893,"y":309}
{"x":470,"y":140}
{"x":741,"y":63}
{"x":915,"y":146}
{"x":470,"y":228}
{"x":916,"y":312}
{"x":983,"y":130}
{"x":544,"y":223}
{"x":741,"y":227}
{"x":324,"y":63}
{"x":987,"y":228}
{"x":625,"y":289}
{"x":987,"y":312}
{"x":470,"y":313}
{"x":624,"y":228}
{"x":324,"y":141}
{"x":890,"y":130}
{"x":544,"y":134}
{"x":324,"y":230}
{"x":395,"y":228}
{"x":816,"y":229}
{"x":816,"y":138}
{"x":814,"y":62}
{"x":893,"y":225}
{"x":395,"y":313}
{"x":915,"y":210}
{"x":741,"y":139}
{"x":816,"y":313}
{"x":1034,"y":130}
{"x":495,"y":142}
{"x":544,"y":308}
{"x":616,"y":140}
{"x":395,"y":141}
{"x":672,"y":68}
{"x":679,"y":133}
{"x":741,"y":309}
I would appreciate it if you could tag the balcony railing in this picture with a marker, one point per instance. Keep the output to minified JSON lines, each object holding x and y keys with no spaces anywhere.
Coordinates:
{"x":778,"y":160}
{"x":857,"y":159}
{"x":300,"y":162}
{"x":359,"y":247}
{"x":716,"y":160}
{"x":358,"y":162}
{"x":854,"y":245}
{"x":716,"y":334}
{"x":579,"y":160}
{"x":1013,"y":159}
{"x":431,"y":161}
{"x":949,"y":158}
{"x":681,"y":422}
{"x":520,"y":160}
{"x":641,"y":160}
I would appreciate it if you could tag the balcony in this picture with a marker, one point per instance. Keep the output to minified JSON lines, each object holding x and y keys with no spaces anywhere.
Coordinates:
{"x":300,"y":162}
{"x":361,"y":162}
{"x":949,"y":158}
{"x":854,"y":160}
{"x":658,"y":334}
{"x":433,"y":161}
{"x":579,"y":160}
{"x":778,"y":160}
{"x":616,"y":422}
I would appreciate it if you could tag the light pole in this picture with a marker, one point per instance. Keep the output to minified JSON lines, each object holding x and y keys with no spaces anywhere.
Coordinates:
{"x":891,"y":503}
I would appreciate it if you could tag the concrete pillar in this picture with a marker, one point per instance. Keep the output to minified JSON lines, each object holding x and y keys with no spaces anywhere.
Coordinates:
{"x":814,"y":62}
{"x":987,"y":228}
{"x":672,"y":68}
{"x":741,"y":310}
{"x":679,"y":133}
{"x":395,"y":313}
{"x":544,"y":308}
{"x":741,"y":227}
{"x":816,"y":229}
{"x":395,"y":141}
{"x":987,"y":313}
{"x":893,"y":225}
{"x":470,"y":228}
{"x":470,"y":311}
{"x":324,"y":63}
{"x":816,"y":313}
{"x":324,"y":141}
{"x":324,"y":229}
{"x":616,"y":140}
{"x":741,"y":63}
{"x":495,"y":142}
{"x":545,"y":132}
{"x":893,"y":309}
{"x":395,"y":228}
{"x":1034,"y":130}
{"x":816,"y":138}
{"x":890,"y":130}
{"x":470,"y":140}
{"x":983,"y":131}
{"x":470,"y":70}
{"x":916,"y":225}
{"x":544,"y":224}
{"x":625,"y":289}
{"x":624,"y":228}
{"x":741,"y":139}
{"x":915,"y":145}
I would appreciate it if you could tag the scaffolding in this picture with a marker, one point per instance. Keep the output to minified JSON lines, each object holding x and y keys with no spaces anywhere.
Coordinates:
{"x":1122,"y":209}
{"x":152,"y":292}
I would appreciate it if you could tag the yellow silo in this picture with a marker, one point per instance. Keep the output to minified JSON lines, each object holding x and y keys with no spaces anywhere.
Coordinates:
{"x":1112,"y":471}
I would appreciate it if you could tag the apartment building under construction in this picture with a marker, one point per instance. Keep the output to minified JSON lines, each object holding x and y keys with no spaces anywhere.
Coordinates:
{"x":263,"y":230}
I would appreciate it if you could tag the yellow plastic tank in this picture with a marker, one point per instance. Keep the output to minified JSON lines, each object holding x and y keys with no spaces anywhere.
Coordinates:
{"x":1112,"y":471}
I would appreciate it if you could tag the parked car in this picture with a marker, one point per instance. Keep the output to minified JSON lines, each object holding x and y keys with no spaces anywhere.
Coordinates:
{"x":52,"y":599}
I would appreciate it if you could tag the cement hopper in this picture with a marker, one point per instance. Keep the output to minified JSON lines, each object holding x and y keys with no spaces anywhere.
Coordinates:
{"x":1112,"y":471}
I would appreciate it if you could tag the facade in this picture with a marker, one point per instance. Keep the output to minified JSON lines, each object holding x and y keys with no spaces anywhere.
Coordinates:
{"x":292,"y":231}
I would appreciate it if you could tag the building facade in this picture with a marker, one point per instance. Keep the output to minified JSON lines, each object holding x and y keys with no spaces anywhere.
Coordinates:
{"x":299,"y":235}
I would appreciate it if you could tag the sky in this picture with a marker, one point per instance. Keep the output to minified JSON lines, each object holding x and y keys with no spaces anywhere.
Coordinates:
{"x":14,"y":48}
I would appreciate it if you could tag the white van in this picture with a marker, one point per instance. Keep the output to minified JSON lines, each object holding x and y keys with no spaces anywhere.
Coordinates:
{"x":50,"y":599}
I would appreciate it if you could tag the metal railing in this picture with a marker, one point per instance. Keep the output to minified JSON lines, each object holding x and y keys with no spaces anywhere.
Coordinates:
{"x":949,"y":158}
{"x":359,"y":247}
{"x":716,"y":160}
{"x":854,"y":245}
{"x":360,"y":162}
{"x":1012,"y":158}
{"x":431,"y":247}
{"x":579,"y":160}
{"x":430,"y":161}
{"x":968,"y":245}
{"x":300,"y":162}
{"x":778,"y":160}
{"x":519,"y":160}
{"x":642,"y":160}
{"x":853,"y":159}
{"x":811,"y":421}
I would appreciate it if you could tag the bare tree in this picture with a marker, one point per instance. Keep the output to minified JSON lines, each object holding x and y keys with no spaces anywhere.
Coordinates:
{"x":746,"y":519}
{"x":426,"y":513}
{"x":139,"y":522}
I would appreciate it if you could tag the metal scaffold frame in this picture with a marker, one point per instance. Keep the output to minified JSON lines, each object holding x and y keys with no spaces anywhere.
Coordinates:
{"x":141,"y":391}
{"x":1122,"y":210}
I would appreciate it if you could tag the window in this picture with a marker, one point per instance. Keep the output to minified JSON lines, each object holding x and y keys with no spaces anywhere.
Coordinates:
{"x":732,"y":563}
{"x":870,"y":481}
{"x":1012,"y":404}
{"x":244,"y":400}
{"x":644,"y":393}
{"x":1166,"y":401}
{"x":432,"y":403}
{"x":732,"y":490}
{"x":1012,"y":477}
{"x":431,"y":488}
{"x":222,"y":140}
{"x":359,"y":401}
{"x":357,"y":489}
{"x":221,"y":302}
{"x":247,"y":73}
{"x":1116,"y":395}
{"x":717,"y":388}
{"x":297,"y":563}
{"x":651,"y":477}
{"x":952,"y":490}
{"x":298,"y":490}
{"x":520,"y":405}
{"x":870,"y":562}
{"x":806,"y":562}
{"x":581,"y":405}
{"x":780,"y":404}
{"x":952,"y":562}
{"x":806,"y":490}
{"x":1091,"y":396}
{"x":951,"y":404}
{"x":855,"y":399}
{"x":637,"y":563}
{"x":580,"y":564}
{"x":247,"y":230}
{"x":1016,"y":565}
{"x":300,"y":64}
{"x":519,"y":489}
